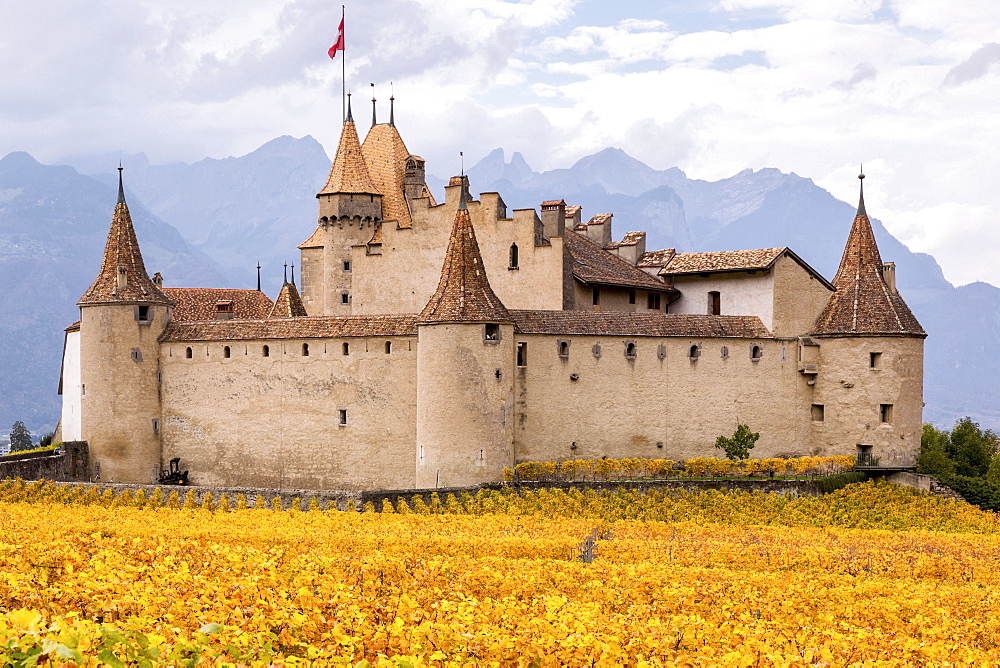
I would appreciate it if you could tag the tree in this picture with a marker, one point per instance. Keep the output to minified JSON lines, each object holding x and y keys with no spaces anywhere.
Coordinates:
{"x":971,"y":448}
{"x":20,"y":437}
{"x":739,"y":446}
{"x":933,"y":457}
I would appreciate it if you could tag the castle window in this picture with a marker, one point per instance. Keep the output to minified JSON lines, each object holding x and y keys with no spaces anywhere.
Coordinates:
{"x":136,"y":355}
{"x":345,"y":298}
{"x":491,"y":333}
{"x":725,"y":352}
{"x":661,"y":351}
{"x":187,"y":353}
{"x":597,"y":296}
{"x":756,"y":353}
{"x":630,"y":350}
{"x":631,"y":296}
{"x":347,"y":265}
{"x":226,"y":352}
{"x":563,"y":347}
{"x":714,"y":303}
{"x":874,"y":360}
{"x":224,"y":309}
{"x":346,"y":348}
{"x":142,"y":315}
{"x":513,"y":257}
{"x":818,"y":412}
{"x":266,"y":352}
{"x":653,"y":301}
{"x":156,"y":426}
{"x":522,"y":353}
{"x":342,"y":417}
{"x":388,"y":347}
{"x":596,"y":350}
{"x":885,"y":413}
{"x":305,"y":350}
{"x":694,"y":353}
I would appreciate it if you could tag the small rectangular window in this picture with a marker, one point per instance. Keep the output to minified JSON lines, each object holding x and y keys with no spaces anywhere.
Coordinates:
{"x":156,"y":426}
{"x":136,"y":355}
{"x":714,"y":303}
{"x":597,"y":296}
{"x":491,"y":333}
{"x":631,"y":296}
{"x":342,"y":417}
{"x":885,"y":413}
{"x":818,"y":412}
{"x":345,"y":298}
{"x":142,"y":314}
{"x":875,"y":360}
{"x":347,"y":265}
{"x":653,"y":301}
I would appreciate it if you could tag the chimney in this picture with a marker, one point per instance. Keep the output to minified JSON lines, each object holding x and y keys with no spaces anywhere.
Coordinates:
{"x":889,"y":276}
{"x":158,"y":280}
{"x":456,"y":186}
{"x":122,"y":279}
{"x":553,"y":217}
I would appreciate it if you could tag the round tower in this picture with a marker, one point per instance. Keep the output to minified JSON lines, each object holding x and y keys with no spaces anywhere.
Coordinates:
{"x":465,"y":372}
{"x":122,"y":315}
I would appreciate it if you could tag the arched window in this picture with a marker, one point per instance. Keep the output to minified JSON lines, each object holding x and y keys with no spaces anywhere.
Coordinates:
{"x":513,"y":256}
{"x":187,"y":353}
{"x":694,"y":353}
{"x":266,"y":351}
{"x":305,"y":350}
{"x":564,"y":349}
{"x":347,"y":348}
{"x":388,"y":347}
{"x":630,"y":350}
{"x":756,"y":353}
{"x":226,"y":352}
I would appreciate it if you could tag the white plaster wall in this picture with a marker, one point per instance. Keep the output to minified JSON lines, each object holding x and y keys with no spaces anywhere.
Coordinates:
{"x":71,"y":428}
{"x":741,"y":294}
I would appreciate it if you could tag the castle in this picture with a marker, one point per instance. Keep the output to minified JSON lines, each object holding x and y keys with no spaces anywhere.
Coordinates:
{"x":433,"y":344}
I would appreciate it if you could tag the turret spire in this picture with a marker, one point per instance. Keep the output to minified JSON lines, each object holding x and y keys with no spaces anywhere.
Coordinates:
{"x":861,"y":199}
{"x":121,"y":188}
{"x":350,"y":116}
{"x":392,"y":106}
{"x":284,"y":280}
{"x":349,"y":173}
{"x":374,"y":122}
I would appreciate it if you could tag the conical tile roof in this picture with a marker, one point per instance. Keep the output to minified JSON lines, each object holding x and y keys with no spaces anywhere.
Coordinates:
{"x":385,"y":155}
{"x":349,"y":173}
{"x":863,"y":303}
{"x":122,"y":255}
{"x":288,"y":304}
{"x":463,"y":293}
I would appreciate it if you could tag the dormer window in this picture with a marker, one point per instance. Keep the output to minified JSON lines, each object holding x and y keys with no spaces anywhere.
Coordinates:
{"x":224,"y":309}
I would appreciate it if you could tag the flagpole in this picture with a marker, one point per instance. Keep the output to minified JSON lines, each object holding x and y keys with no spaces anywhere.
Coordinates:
{"x":343,"y":72}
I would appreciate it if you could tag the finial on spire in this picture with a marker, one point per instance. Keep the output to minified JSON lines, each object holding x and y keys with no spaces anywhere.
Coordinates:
{"x":350,"y":116}
{"x":285,"y":280}
{"x":293,"y":273}
{"x":861,"y":199}
{"x":258,"y":275}
{"x":392,"y":106}
{"x":121,"y":188}
{"x":374,"y":122}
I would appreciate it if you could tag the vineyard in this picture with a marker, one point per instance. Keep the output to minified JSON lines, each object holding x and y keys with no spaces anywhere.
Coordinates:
{"x":871,"y":574}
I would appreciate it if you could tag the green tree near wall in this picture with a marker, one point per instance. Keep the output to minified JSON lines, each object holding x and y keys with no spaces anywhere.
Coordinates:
{"x":20,"y":437}
{"x":971,"y":448}
{"x":739,"y":446}
{"x":966,"y":459}
{"x":933,"y":457}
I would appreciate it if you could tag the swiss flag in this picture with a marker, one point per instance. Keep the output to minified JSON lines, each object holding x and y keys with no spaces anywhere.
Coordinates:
{"x":339,"y":44}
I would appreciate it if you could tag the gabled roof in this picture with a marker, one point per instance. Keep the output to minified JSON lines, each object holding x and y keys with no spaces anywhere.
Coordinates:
{"x":596,"y":219}
{"x":757,"y":259}
{"x":623,"y":323}
{"x":315,"y":327}
{"x":195,"y":304}
{"x":349,"y":173}
{"x":592,"y":265}
{"x":122,"y":255}
{"x":385,"y":155}
{"x":630,"y":239}
{"x":657,"y":258}
{"x":314,"y":241}
{"x":463,"y":294}
{"x":288,"y":304}
{"x":863,"y":303}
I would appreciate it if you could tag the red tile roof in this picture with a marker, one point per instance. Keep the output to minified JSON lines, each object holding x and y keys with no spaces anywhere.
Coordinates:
{"x":314,"y":327}
{"x":622,"y":323}
{"x":385,"y":155}
{"x":464,"y":293}
{"x":712,"y":261}
{"x":122,"y":255}
{"x":592,"y":265}
{"x":657,"y":258}
{"x":288,"y":304}
{"x":315,"y":240}
{"x":630,"y":239}
{"x":863,"y":303}
{"x":349,"y":173}
{"x":196,"y":304}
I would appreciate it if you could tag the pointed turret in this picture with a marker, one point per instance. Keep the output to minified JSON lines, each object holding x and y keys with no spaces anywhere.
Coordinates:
{"x":463,"y":293}
{"x":288,"y":304}
{"x":349,"y":173}
{"x":864,"y":302}
{"x":123,"y":277}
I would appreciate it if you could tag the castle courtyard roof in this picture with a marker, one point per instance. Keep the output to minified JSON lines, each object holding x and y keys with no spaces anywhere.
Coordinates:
{"x":757,"y":259}
{"x":623,"y":323}
{"x":310,"y":327}
{"x":194,"y":304}
{"x":592,"y":265}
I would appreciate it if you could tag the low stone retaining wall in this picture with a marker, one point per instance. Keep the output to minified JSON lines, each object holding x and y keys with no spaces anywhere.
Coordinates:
{"x":72,"y":463}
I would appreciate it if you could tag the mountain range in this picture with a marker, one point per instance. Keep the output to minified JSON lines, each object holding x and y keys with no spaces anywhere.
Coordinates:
{"x":209,"y":224}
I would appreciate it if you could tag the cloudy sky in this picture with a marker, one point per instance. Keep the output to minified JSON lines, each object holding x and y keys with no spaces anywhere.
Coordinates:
{"x":909,"y":87}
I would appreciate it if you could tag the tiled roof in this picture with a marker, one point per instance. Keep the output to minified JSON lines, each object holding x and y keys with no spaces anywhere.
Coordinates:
{"x":553,"y":203}
{"x":712,"y":261}
{"x":121,"y":254}
{"x":377,"y":234}
{"x":630,"y":239}
{"x":593,"y":265}
{"x":288,"y":304}
{"x":75,"y":327}
{"x":596,"y":219}
{"x":314,"y":241}
{"x":622,"y":323}
{"x":315,"y":327}
{"x":657,"y":258}
{"x":195,"y":304}
{"x":572,"y":210}
{"x":385,"y":154}
{"x":463,"y":293}
{"x":349,"y":173}
{"x":863,"y":303}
